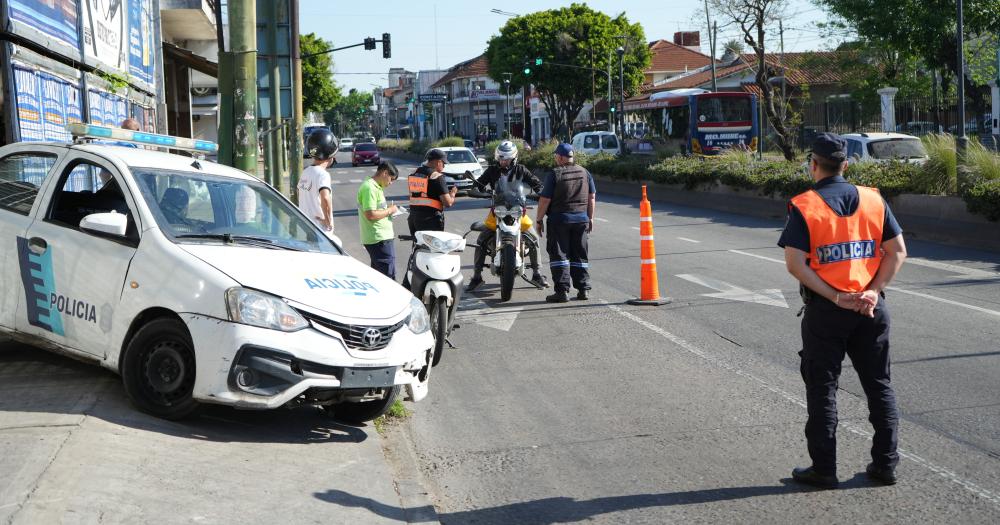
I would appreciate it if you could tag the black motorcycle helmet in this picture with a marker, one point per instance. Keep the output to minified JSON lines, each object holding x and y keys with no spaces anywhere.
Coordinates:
{"x":321,"y":144}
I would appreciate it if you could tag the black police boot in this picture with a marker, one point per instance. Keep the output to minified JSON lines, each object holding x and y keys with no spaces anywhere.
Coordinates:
{"x":883,"y":475}
{"x":474,"y":282}
{"x":558,"y":297}
{"x":583,"y":294}
{"x":809,"y":476}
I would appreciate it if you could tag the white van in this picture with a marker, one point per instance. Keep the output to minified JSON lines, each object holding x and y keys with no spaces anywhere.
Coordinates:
{"x":197,"y":283}
{"x":596,"y":142}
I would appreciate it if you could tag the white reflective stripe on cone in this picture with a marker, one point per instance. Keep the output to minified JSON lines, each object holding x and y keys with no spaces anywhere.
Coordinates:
{"x":645,"y":237}
{"x":649,"y":261}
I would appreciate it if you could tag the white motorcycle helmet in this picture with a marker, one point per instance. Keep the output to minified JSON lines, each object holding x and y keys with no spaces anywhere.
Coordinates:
{"x":507,"y":150}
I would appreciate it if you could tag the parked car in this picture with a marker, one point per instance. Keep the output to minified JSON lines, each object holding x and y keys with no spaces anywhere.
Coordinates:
{"x":596,"y":142}
{"x":346,"y":144}
{"x":884,"y":147}
{"x":196,"y":283}
{"x":469,"y":144}
{"x":916,"y":127}
{"x":365,"y":153}
{"x":458,"y":162}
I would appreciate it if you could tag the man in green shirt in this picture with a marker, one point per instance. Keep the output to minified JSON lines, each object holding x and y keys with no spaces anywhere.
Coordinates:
{"x":375,"y":219}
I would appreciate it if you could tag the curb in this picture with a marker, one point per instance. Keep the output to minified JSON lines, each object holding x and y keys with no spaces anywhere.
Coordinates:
{"x":933,"y":218}
{"x":414,"y":499}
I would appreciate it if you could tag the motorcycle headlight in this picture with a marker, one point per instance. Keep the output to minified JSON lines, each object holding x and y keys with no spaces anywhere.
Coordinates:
{"x":263,"y":310}
{"x":441,"y":245}
{"x":419,"y":322}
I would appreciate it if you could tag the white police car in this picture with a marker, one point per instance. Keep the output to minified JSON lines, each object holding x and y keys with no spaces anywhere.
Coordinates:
{"x":197,"y":283}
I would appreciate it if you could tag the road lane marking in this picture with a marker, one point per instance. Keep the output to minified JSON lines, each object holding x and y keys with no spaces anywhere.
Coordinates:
{"x":968,"y":273}
{"x":900,"y":290}
{"x":731,"y":292}
{"x":636,"y":228}
{"x":758,"y":256}
{"x":688,"y":240}
{"x":355,"y":181}
{"x":598,"y":219}
{"x":850,"y":427}
{"x":476,"y":311}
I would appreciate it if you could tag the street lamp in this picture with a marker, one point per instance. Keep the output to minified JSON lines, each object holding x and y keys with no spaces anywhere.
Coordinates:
{"x":621,"y":89}
{"x":506,"y":103}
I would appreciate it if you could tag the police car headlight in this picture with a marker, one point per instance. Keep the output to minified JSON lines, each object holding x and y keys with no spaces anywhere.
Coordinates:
{"x":263,"y":310}
{"x":419,"y":322}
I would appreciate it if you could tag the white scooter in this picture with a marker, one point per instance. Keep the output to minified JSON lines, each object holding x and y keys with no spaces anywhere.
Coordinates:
{"x":434,"y":274}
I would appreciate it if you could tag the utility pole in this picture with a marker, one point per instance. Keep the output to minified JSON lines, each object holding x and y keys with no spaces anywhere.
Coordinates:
{"x":295,"y":152}
{"x":711,"y":43}
{"x":243,"y":45}
{"x":274,"y":174}
{"x":961,"y":141}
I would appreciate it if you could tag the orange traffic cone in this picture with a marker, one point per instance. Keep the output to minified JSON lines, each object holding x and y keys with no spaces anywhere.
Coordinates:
{"x":650,"y":283}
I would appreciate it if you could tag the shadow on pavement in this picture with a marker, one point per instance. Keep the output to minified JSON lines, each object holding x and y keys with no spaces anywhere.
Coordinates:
{"x":33,"y":380}
{"x":549,"y":511}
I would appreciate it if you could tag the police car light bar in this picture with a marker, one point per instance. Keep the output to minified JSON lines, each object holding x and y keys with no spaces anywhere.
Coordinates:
{"x":91,"y":131}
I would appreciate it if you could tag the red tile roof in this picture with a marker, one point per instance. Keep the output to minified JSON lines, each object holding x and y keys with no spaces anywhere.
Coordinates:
{"x":668,"y":56}
{"x":476,"y":67}
{"x":800,"y":68}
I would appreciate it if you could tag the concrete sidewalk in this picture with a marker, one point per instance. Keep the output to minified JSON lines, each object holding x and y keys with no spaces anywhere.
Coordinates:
{"x":72,"y":450}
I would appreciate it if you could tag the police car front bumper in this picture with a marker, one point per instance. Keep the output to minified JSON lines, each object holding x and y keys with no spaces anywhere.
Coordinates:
{"x":259,"y":368}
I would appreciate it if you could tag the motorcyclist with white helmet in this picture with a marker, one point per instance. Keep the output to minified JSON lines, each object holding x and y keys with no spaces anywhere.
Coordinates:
{"x":506,"y":165}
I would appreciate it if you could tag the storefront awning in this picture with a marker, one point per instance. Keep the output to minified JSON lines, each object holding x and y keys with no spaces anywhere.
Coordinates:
{"x":191,"y":60}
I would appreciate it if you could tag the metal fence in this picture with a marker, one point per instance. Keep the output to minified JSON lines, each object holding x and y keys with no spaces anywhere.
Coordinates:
{"x":913,"y":117}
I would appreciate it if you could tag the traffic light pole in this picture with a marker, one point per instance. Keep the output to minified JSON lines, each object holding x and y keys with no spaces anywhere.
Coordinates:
{"x":295,"y":139}
{"x":368,"y":45}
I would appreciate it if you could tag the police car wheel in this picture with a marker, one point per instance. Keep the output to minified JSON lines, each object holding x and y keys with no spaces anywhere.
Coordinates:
{"x":357,"y":412}
{"x":158,"y":369}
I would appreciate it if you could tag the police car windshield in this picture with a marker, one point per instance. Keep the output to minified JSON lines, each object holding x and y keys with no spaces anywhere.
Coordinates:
{"x":198,"y":208}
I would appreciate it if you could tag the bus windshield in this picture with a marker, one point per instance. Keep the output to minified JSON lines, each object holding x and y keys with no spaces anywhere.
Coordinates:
{"x":723,"y":109}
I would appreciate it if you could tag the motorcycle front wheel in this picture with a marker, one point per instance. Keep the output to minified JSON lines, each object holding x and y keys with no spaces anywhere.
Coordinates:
{"x":508,"y":271}
{"x":439,"y":327}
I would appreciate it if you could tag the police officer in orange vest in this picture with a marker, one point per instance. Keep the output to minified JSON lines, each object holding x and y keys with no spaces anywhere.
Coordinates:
{"x":429,"y":194}
{"x":844,"y":246}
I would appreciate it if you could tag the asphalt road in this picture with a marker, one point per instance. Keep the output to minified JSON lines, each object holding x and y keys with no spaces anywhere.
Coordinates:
{"x":694,"y":411}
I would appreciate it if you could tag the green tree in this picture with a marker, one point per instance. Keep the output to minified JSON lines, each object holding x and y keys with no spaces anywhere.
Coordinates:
{"x":574,"y":36}
{"x":351,"y":112}
{"x":926,"y":29}
{"x":754,"y":19}
{"x":319,"y":92}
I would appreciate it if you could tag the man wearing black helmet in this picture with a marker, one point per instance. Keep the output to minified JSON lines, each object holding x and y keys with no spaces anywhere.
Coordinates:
{"x":429,"y":194}
{"x":315,"y":197}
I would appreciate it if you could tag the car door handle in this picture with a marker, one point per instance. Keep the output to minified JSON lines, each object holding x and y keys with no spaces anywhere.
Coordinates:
{"x":37,"y":245}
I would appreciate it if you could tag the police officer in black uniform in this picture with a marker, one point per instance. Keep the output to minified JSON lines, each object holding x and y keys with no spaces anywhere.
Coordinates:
{"x":429,"y":194}
{"x":567,"y":201}
{"x":506,"y":166}
{"x":844,"y":246}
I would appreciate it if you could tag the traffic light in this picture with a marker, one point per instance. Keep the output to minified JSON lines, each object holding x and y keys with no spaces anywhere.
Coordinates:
{"x":527,"y":71}
{"x":538,"y":61}
{"x":612,"y":109}
{"x":369,"y":43}
{"x":386,"y":46}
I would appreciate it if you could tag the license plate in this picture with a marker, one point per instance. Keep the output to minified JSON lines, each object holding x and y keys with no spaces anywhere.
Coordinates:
{"x":368,"y":377}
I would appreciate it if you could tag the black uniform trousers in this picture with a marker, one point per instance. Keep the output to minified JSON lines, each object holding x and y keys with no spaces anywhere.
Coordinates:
{"x":828,"y":332}
{"x":567,"y":247}
{"x":425,"y":218}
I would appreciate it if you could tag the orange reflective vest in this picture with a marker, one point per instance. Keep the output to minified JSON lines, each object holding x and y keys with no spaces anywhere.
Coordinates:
{"x":417,"y":184}
{"x":844,"y":251}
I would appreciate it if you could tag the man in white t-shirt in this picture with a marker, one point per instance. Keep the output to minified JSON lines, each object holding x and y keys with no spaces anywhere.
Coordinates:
{"x":315,"y":196}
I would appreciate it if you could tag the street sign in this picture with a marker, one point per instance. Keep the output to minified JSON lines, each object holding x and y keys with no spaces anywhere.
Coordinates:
{"x":485,"y":93}
{"x":433,"y":97}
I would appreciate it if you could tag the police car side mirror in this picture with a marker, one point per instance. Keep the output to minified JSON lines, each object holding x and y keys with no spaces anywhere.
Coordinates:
{"x":111,"y":223}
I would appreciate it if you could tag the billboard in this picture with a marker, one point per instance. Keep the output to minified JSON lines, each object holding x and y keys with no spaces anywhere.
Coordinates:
{"x":45,"y":104}
{"x":56,"y":19}
{"x":141,"y":44}
{"x":104,"y":33}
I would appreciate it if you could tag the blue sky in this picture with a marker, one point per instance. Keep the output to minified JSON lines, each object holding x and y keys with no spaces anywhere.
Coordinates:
{"x":463,"y":27}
